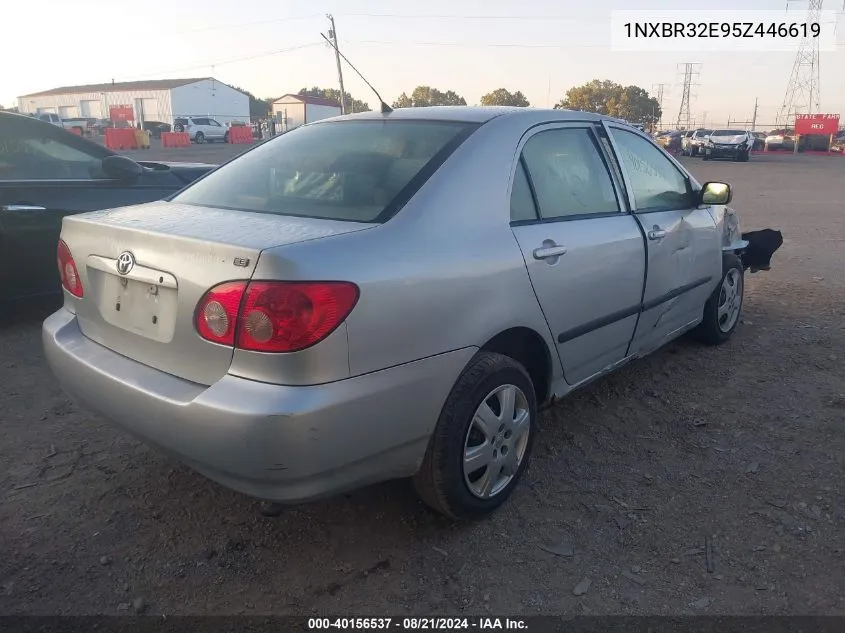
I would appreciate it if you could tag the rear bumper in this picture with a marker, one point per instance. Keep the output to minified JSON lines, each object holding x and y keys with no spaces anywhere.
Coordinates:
{"x":279,"y":443}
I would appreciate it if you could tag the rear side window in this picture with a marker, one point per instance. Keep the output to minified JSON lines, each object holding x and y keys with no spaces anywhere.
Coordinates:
{"x":360,"y":171}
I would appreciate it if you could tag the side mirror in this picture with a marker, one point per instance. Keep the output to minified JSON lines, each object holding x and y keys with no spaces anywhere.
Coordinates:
{"x":121,"y":167}
{"x":715,"y":193}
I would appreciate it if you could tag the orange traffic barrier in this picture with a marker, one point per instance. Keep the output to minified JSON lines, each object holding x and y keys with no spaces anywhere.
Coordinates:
{"x":175,"y":139}
{"x":121,"y":138}
{"x":240,"y":134}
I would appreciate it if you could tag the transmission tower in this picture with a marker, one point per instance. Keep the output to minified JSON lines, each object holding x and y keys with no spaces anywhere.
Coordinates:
{"x":802,"y":91}
{"x":691,"y":69}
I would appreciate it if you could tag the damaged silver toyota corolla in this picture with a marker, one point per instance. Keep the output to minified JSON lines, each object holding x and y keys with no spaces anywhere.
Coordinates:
{"x":391,"y":295}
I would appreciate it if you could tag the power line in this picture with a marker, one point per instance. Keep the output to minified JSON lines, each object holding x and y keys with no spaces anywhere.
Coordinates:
{"x":310,"y":16}
{"x":474,"y":44}
{"x":232,"y":60}
{"x":244,"y":24}
{"x":477,"y":17}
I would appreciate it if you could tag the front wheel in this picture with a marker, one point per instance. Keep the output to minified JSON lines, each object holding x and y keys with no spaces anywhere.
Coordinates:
{"x":722,"y":310}
{"x":482,"y":442}
{"x":744,"y":156}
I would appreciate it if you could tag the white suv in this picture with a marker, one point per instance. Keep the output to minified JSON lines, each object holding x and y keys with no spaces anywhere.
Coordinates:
{"x":201,"y":129}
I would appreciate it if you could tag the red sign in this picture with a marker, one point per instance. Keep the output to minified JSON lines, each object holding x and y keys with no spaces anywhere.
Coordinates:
{"x":120,"y":113}
{"x":826,"y":124}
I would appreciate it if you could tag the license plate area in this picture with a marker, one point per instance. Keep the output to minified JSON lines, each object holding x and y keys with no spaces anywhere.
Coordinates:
{"x":148,"y":310}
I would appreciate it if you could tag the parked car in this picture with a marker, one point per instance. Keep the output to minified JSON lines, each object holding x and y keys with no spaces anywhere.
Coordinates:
{"x":47,"y":173}
{"x":693,"y":142}
{"x":78,"y":123}
{"x":671,"y":141}
{"x":780,"y":139}
{"x":49,"y":117}
{"x":734,"y":144}
{"x":155,"y":128}
{"x":391,"y":295}
{"x":201,"y":129}
{"x":838,"y":144}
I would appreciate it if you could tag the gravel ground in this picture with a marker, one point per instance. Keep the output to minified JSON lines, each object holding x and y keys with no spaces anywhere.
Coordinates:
{"x":729,"y":459}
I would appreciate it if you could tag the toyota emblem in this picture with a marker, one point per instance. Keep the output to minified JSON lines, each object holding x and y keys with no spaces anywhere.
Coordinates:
{"x":125,"y":262}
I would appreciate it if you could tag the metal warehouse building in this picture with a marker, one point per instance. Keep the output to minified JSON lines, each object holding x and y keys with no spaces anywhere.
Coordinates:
{"x":142,"y":101}
{"x":295,"y":110}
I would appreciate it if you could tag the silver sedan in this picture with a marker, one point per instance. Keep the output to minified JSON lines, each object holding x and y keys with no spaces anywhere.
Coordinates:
{"x":390,"y":295}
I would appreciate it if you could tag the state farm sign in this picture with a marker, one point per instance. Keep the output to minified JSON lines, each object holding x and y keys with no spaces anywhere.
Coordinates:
{"x":826,"y":124}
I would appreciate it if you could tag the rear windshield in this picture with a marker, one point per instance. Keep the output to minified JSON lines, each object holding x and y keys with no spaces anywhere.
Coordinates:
{"x":360,"y":171}
{"x":728,"y":133}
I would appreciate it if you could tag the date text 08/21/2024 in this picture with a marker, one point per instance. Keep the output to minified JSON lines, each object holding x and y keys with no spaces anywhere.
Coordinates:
{"x":417,"y":624}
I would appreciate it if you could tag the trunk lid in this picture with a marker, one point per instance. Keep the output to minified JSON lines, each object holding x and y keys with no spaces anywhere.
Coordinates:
{"x":177,"y":253}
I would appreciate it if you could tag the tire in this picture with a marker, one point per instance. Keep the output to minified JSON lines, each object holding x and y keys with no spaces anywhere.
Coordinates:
{"x":715,"y":329}
{"x":442,"y":482}
{"x":199,"y":139}
{"x":743,"y":158}
{"x":705,"y":156}
{"x":226,"y":137}
{"x":178,"y":128}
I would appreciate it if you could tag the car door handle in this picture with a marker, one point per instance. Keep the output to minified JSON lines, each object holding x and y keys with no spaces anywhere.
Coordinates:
{"x":549,"y":252}
{"x":656,"y":234}
{"x":22,"y":207}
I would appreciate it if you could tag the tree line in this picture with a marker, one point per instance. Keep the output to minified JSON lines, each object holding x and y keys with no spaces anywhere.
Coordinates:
{"x":631,"y":103}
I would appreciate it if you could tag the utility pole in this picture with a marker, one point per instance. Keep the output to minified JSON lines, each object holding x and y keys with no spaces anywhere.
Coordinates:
{"x":333,"y":36}
{"x":704,"y":119}
{"x":754,"y":118}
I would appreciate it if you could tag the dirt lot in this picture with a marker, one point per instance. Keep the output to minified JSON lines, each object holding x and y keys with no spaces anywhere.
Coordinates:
{"x":738,"y":448}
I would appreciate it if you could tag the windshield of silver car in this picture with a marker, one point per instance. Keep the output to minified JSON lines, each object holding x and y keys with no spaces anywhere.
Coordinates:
{"x":361,"y":171}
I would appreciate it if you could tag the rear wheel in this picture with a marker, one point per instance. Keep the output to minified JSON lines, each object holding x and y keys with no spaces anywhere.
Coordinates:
{"x":723,"y":308}
{"x":226,"y":137}
{"x":199,"y":139}
{"x":482,"y":442}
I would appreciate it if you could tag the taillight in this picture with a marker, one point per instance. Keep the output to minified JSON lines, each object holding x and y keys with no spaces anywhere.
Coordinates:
{"x":217,"y":312}
{"x":274,"y":316}
{"x":67,"y":270}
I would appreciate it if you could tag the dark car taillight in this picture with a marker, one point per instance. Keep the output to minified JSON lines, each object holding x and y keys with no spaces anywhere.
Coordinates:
{"x":274,"y":316}
{"x":67,"y":270}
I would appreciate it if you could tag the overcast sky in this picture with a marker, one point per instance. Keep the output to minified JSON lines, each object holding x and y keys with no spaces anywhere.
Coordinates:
{"x":540,"y":47}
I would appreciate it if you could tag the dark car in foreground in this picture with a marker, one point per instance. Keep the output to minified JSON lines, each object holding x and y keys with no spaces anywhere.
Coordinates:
{"x":47,"y":173}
